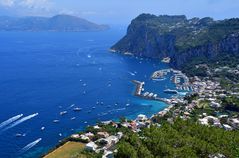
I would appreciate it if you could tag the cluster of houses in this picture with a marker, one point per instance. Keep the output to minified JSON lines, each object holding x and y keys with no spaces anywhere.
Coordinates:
{"x":105,"y":142}
{"x":209,"y":92}
{"x":228,"y":69}
{"x":230,"y":124}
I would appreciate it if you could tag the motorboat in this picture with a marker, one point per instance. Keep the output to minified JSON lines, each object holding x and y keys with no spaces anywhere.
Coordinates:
{"x":77,"y":109}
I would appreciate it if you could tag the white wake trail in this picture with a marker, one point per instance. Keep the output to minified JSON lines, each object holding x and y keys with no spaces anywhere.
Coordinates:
{"x":10,"y":120}
{"x":30,"y":145}
{"x":20,"y":121}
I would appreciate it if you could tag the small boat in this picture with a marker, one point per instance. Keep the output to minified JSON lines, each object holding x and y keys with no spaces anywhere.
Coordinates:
{"x":85,"y":122}
{"x":93,"y":107}
{"x":63,"y":112}
{"x":84,"y":84}
{"x":73,"y":118}
{"x":89,"y":111}
{"x":56,"y":121}
{"x":127,"y":105}
{"x":20,"y":135}
{"x":43,"y":128}
{"x":60,"y":134}
{"x":77,"y":109}
{"x":169,"y":91}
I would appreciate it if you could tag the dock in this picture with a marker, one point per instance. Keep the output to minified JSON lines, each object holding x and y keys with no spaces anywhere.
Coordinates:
{"x":147,"y":95}
{"x":139,"y":87}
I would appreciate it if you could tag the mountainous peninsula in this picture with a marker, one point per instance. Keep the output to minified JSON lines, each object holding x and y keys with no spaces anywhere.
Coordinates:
{"x":181,"y":39}
{"x":63,"y":23}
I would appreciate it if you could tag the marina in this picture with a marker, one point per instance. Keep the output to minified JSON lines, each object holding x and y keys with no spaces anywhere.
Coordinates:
{"x":147,"y":95}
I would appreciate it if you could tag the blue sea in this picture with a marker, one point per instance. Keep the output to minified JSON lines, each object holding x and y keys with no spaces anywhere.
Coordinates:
{"x":45,"y":73}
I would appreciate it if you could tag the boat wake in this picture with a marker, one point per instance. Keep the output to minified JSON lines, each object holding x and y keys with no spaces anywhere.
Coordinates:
{"x":30,"y":145}
{"x":10,"y":120}
{"x":20,"y":121}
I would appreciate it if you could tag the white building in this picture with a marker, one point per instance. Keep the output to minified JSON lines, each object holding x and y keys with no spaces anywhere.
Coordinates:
{"x":234,"y":122}
{"x":215,"y":104}
{"x":91,"y":146}
{"x":227,"y":127}
{"x":141,"y":117}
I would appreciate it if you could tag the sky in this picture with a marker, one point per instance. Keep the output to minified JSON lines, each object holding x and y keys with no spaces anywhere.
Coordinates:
{"x":120,"y":12}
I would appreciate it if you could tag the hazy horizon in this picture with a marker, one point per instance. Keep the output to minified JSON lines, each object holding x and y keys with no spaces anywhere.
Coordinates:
{"x":120,"y":12}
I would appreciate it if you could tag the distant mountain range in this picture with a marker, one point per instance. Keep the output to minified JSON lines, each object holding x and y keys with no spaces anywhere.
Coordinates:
{"x":62,"y":23}
{"x":179,"y":38}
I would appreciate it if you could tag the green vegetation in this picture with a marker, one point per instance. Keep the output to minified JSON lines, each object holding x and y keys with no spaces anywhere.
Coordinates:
{"x":231,"y":103}
{"x":219,"y":67}
{"x":180,"y":139}
{"x":176,"y":32}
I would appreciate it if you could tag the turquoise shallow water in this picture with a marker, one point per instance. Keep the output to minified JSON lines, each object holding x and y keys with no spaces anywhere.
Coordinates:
{"x":46,"y":73}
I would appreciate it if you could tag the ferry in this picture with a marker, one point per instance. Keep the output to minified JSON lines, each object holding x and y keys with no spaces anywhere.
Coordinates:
{"x":169,"y":91}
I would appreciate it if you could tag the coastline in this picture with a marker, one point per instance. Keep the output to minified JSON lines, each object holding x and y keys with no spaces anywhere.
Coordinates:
{"x":166,"y":101}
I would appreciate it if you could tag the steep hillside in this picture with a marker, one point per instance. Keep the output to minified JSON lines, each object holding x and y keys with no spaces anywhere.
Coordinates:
{"x":180,"y":38}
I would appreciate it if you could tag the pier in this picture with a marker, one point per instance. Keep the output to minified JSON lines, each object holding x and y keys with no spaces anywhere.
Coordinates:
{"x":147,"y":95}
{"x":139,"y":87}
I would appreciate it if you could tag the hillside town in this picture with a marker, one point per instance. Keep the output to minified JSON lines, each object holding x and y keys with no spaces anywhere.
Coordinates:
{"x":204,"y":106}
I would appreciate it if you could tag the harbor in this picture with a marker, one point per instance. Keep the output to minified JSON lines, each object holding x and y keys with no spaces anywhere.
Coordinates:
{"x":180,"y":80}
{"x":139,"y":92}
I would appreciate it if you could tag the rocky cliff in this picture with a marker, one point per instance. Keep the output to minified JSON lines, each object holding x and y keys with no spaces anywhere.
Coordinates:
{"x":180,"y":38}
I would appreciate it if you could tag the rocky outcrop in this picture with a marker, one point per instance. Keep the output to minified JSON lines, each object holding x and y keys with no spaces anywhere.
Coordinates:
{"x":180,"y":38}
{"x":229,"y":44}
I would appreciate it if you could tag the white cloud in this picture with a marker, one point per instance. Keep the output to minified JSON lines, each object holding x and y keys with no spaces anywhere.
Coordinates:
{"x":27,"y":7}
{"x":7,"y":3}
{"x":38,"y":4}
